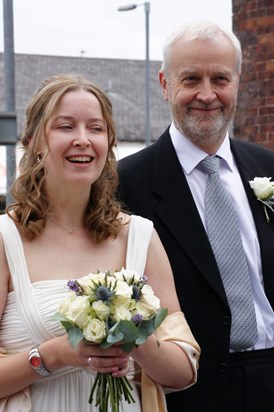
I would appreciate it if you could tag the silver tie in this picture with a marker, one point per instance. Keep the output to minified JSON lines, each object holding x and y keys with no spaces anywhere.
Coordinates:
{"x":226,"y":242}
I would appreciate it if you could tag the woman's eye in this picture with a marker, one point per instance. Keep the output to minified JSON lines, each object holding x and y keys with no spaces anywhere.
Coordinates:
{"x":96,"y":129}
{"x":65,"y":126}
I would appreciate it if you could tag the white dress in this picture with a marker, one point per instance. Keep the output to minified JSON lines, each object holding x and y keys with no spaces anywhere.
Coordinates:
{"x":27,"y":321}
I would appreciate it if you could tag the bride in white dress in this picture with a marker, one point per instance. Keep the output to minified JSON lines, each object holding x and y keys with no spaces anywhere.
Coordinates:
{"x":64,"y":224}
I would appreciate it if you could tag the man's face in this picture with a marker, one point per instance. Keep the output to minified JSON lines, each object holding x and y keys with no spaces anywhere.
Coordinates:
{"x":201,"y":84}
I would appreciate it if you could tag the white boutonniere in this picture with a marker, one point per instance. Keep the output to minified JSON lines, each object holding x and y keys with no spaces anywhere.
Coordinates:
{"x":263,"y":189}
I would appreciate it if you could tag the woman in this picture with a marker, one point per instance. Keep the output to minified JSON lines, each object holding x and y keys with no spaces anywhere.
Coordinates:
{"x":65,"y":223}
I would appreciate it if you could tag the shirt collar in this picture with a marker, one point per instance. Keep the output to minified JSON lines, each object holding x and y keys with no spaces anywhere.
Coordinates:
{"x":190,"y":155}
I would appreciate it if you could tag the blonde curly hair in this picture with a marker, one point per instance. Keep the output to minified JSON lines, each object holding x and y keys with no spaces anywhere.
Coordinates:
{"x":30,"y":207}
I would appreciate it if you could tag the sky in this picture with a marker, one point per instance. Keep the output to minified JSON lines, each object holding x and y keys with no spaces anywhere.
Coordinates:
{"x":94,"y":28}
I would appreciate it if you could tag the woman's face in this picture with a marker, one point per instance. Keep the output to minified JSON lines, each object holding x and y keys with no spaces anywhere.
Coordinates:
{"x":77,"y":141}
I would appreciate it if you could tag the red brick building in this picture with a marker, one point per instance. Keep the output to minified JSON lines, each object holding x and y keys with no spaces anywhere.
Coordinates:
{"x":253,"y":22}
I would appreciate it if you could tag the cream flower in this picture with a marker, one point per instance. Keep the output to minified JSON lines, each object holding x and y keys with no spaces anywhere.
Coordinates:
{"x":127,"y":275}
{"x":101,"y":309}
{"x":121,"y":313}
{"x":143,"y":309}
{"x":123,"y":289}
{"x":95,"y":331}
{"x":65,"y":306}
{"x":262,"y":187}
{"x":87,"y":282}
{"x":149,"y":298}
{"x":76,"y":309}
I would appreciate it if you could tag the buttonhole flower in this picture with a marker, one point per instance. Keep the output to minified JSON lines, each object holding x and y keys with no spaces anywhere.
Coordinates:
{"x":263,"y":189}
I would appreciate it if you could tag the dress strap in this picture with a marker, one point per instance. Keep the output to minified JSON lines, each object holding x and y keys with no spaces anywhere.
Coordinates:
{"x":14,"y":253}
{"x":22,"y":285}
{"x":139,"y":237}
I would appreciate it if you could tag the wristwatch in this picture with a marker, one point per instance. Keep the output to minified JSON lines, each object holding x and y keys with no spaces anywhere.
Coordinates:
{"x":36,"y":362}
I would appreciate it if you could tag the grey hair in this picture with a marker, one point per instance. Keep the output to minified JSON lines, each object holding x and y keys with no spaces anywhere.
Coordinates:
{"x":203,"y":30}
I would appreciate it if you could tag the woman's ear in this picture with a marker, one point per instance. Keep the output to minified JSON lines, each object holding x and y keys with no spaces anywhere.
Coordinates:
{"x":39,"y":156}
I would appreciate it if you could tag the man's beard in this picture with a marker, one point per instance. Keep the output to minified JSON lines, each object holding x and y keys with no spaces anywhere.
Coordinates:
{"x":203,"y":129}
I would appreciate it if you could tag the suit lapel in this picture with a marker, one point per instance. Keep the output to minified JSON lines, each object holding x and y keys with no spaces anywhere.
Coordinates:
{"x":177,"y":200}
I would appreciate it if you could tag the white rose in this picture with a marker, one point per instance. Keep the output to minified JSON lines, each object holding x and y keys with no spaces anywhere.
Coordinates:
{"x":121,"y":313}
{"x":98,"y":277}
{"x":122,"y":302}
{"x":101,"y":309}
{"x":148,"y":297}
{"x":79,"y":311}
{"x":127,"y":274}
{"x":145,"y":310}
{"x":262,"y":186}
{"x":95,"y":331}
{"x":65,"y":306}
{"x":123,"y":289}
{"x":89,"y":282}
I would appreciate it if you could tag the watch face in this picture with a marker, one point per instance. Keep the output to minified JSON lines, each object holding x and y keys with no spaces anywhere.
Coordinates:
{"x":35,"y":361}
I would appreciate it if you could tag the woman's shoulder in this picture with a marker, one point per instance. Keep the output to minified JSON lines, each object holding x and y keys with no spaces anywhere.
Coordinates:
{"x":5,"y":221}
{"x":134,"y":219}
{"x":136,"y":228}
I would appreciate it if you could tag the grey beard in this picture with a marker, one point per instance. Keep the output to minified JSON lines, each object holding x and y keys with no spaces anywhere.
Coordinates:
{"x":205,"y":136}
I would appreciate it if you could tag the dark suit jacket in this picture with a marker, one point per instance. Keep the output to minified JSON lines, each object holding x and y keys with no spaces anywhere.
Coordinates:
{"x":152,"y":184}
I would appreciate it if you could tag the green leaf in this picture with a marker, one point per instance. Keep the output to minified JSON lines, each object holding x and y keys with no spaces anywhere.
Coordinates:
{"x":142,"y":336}
{"x":58,"y":316}
{"x":75,"y":336}
{"x":128,"y":347}
{"x":67,"y":325}
{"x":160,"y":316}
{"x":147,"y":327}
{"x":115,"y":337}
{"x":114,"y":327}
{"x":105,"y":344}
{"x":130,"y":331}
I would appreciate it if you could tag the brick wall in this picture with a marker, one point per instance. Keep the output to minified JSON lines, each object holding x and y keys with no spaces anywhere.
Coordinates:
{"x":253,"y":23}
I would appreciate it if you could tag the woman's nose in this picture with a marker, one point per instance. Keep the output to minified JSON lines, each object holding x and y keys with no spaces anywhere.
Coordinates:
{"x":81,"y":139}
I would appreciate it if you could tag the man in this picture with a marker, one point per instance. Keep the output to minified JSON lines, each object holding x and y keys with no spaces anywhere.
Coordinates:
{"x":167,"y":184}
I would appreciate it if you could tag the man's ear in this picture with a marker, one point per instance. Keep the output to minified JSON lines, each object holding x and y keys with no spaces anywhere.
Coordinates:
{"x":163,"y":83}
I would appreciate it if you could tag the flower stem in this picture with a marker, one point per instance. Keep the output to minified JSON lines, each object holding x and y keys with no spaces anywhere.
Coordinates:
{"x":109,"y":391}
{"x":266,"y":215}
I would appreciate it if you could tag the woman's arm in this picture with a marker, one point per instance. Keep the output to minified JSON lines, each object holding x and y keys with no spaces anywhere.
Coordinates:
{"x":15,"y":370}
{"x":167,"y":364}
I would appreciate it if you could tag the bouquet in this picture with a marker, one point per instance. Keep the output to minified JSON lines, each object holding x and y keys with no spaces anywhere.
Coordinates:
{"x":105,"y":308}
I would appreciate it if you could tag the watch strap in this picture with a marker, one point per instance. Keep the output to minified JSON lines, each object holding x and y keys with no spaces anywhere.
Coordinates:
{"x":36,"y":362}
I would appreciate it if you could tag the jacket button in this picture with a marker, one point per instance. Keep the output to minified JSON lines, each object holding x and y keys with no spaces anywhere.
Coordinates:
{"x":226,"y":320}
{"x":222,"y":367}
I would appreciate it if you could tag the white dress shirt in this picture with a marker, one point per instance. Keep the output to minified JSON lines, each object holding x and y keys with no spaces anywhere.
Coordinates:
{"x":190,"y":156}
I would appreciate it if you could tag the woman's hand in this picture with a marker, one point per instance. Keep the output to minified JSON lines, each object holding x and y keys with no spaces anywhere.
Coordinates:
{"x":112,"y":360}
{"x":58,"y":353}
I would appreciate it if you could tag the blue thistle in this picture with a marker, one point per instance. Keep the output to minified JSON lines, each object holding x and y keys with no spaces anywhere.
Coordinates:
{"x":103,"y":293}
{"x":136,"y":292}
